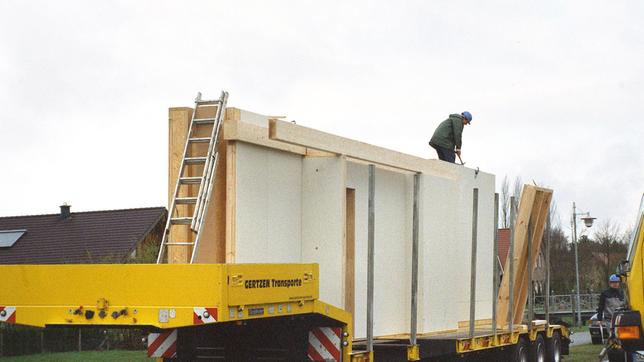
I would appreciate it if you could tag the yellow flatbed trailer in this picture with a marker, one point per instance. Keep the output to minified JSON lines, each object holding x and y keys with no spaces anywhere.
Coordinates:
{"x":229,"y":312}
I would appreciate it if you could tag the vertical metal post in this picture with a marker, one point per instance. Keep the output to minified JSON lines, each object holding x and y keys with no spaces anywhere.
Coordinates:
{"x":511,"y":266}
{"x":475,"y":216}
{"x":370,"y":256}
{"x":574,"y":236}
{"x":495,"y":264}
{"x":546,"y":305}
{"x":530,"y":278}
{"x":414,"y":263}
{"x":80,"y":338}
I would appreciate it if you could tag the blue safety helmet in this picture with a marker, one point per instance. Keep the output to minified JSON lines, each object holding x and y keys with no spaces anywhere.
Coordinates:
{"x":614,"y":279}
{"x":467,"y":115}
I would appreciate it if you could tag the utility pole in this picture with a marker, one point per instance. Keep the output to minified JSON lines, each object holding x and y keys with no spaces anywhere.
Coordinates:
{"x":574,"y":241}
{"x":588,"y":221}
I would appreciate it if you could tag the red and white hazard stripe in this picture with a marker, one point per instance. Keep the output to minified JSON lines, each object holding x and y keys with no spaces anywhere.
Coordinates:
{"x":202,"y":315}
{"x":8,"y":314}
{"x":162,"y":345}
{"x":325,"y":344}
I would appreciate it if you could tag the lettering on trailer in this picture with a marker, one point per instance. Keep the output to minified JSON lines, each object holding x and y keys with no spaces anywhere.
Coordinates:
{"x":272,"y":283}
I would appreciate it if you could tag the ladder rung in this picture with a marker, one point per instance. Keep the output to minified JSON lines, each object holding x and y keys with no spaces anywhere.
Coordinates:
{"x":190,"y":180}
{"x":203,"y":120}
{"x":194,"y":160}
{"x":181,"y":220}
{"x":207,"y":102}
{"x":180,"y":243}
{"x":199,"y":140}
{"x":186,"y":200}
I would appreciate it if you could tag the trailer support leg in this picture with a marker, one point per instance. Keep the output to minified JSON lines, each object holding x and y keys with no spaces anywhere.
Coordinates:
{"x":475,"y":216}
{"x":370,"y":256}
{"x":414,"y":273}
{"x":495,"y":264}
{"x":511,"y":266}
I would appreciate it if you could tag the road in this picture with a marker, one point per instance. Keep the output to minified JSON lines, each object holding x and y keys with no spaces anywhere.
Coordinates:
{"x":580,"y":338}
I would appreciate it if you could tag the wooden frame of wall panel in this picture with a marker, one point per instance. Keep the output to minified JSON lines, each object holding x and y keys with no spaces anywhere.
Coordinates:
{"x":357,"y":151}
{"x":533,"y":209}
{"x":179,"y":123}
{"x":214,"y":250}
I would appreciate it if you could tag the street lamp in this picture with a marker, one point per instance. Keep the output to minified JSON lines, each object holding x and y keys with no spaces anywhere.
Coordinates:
{"x":588,"y":221}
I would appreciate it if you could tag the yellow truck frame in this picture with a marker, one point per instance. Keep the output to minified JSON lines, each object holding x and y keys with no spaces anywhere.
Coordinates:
{"x":627,"y":337}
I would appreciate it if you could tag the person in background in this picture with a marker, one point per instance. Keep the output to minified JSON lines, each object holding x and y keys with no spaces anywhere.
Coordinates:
{"x":610,"y":300}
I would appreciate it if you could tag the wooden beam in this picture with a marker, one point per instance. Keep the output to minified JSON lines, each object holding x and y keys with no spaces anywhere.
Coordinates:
{"x":241,"y":131}
{"x":311,"y":138}
{"x":179,"y":123}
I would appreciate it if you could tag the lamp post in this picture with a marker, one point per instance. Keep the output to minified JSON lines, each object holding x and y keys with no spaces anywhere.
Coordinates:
{"x":588,"y":221}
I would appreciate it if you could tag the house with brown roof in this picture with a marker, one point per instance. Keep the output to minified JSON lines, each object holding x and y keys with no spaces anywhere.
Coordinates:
{"x":539,"y":274}
{"x":110,"y":236}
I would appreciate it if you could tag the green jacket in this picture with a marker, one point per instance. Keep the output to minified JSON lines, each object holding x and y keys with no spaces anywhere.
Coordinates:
{"x":449,"y":133}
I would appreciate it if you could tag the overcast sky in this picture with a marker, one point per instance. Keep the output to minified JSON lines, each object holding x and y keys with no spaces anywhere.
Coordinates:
{"x":556,"y":89}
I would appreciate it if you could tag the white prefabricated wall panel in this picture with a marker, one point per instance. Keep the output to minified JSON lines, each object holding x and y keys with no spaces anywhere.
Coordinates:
{"x":392,"y":249}
{"x":268,"y":205}
{"x":291,"y":208}
{"x":445,"y":249}
{"x":323,"y":223}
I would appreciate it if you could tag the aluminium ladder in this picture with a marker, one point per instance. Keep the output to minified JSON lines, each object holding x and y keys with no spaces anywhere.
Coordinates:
{"x":188,"y":208}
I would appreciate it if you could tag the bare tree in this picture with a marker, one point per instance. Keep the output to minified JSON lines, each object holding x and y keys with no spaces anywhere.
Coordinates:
{"x":505,"y":202}
{"x":610,"y":240}
{"x":517,"y":188}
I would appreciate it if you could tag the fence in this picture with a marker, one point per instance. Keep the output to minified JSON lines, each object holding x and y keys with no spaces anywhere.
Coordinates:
{"x":21,"y":340}
{"x":567,"y":303}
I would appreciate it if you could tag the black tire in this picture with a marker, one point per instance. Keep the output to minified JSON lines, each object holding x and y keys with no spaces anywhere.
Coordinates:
{"x":616,"y":355}
{"x":538,"y":350}
{"x":553,"y":348}
{"x":521,"y":351}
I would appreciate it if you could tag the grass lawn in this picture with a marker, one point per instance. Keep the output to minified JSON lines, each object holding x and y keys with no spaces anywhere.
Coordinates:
{"x":583,"y":353}
{"x":89,"y":356}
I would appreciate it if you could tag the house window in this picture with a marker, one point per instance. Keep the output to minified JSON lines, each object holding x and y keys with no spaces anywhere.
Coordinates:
{"x":9,"y":237}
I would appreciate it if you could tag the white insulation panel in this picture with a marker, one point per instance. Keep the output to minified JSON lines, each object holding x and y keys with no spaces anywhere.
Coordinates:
{"x":291,"y":208}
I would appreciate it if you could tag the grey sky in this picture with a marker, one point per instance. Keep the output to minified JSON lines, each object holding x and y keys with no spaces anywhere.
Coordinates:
{"x":556,"y":88}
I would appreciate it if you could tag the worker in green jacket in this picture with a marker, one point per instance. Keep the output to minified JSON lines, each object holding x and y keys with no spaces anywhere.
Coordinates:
{"x":447,"y":138}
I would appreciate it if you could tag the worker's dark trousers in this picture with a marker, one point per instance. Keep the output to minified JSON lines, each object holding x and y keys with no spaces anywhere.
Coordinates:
{"x":445,"y":154}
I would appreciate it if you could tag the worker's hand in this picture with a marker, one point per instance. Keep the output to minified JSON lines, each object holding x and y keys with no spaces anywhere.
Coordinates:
{"x":458,"y":152}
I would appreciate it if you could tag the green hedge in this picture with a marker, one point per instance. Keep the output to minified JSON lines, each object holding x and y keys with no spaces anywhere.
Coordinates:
{"x":21,"y":340}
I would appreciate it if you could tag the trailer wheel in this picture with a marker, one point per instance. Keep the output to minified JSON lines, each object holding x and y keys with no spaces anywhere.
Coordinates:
{"x":553,"y":348}
{"x":538,"y":350}
{"x":521,"y":351}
